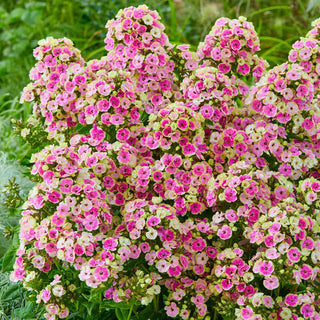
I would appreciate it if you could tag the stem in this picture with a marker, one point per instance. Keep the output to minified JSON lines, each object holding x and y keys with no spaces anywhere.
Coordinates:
{"x":215,"y":314}
{"x":173,"y":20}
{"x":130,"y":312}
{"x":156,"y":303}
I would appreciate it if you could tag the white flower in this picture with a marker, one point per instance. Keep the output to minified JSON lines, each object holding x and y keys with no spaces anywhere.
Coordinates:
{"x":156,"y":32}
{"x":124,"y":241}
{"x":58,"y":291}
{"x":247,"y":277}
{"x":151,"y":234}
{"x":147,"y":19}
{"x":60,"y":254}
{"x":285,"y":313}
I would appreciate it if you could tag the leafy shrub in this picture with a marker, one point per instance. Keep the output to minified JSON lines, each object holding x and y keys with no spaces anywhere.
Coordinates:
{"x":173,"y":182}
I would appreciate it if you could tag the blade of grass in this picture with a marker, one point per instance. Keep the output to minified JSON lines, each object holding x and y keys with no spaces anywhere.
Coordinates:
{"x":173,"y":20}
{"x":275,"y":47}
{"x":275,"y":40}
{"x":254,"y":13}
{"x":93,"y":53}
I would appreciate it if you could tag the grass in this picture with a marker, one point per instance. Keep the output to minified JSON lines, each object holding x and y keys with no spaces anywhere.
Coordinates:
{"x":24,"y":22}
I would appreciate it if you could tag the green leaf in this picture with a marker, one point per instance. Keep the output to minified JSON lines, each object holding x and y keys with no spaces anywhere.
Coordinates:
{"x":95,"y":295}
{"x":73,"y":315}
{"x":3,"y":17}
{"x":9,"y":259}
{"x":20,"y":47}
{"x":15,"y":15}
{"x":13,"y":292}
{"x":117,"y":305}
{"x":146,"y":313}
{"x":26,"y":312}
{"x":31,"y":17}
{"x":122,"y":314}
{"x":16,"y":240}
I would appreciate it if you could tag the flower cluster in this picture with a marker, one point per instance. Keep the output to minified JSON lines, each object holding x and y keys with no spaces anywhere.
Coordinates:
{"x":56,"y":85}
{"x":231,"y":47}
{"x":136,"y":42}
{"x":210,"y":93}
{"x":170,"y":181}
{"x":315,"y":32}
{"x":306,"y":53}
{"x":284,"y":98}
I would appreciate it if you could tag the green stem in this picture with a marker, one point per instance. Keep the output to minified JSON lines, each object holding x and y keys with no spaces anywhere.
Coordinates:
{"x":130,"y":312}
{"x":215,"y":315}
{"x":173,"y":20}
{"x":156,"y":303}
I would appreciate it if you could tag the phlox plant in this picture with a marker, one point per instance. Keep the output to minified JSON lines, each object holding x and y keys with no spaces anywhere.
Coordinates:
{"x":173,"y":184}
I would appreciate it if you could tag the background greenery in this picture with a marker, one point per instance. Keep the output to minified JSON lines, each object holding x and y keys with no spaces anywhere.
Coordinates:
{"x":23,"y":22}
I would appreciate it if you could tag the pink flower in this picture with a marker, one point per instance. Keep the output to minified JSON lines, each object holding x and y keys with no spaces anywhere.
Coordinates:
{"x":281,"y":193}
{"x":231,"y":215}
{"x":267,"y":301}
{"x":294,"y":254}
{"x":198,"y":299}
{"x":285,"y":170}
{"x":174,"y":271}
{"x":211,"y":252}
{"x":226,"y":284}
{"x":241,"y":148}
{"x":163,"y":254}
{"x":198,"y":269}
{"x":45,"y":295}
{"x":114,"y":101}
{"x":305,"y":272}
{"x":124,"y":156}
{"x":172,"y":310}
{"x":291,"y":300}
{"x":307,"y":311}
{"x":162,"y":266}
{"x":157,"y":99}
{"x":54,"y":197}
{"x":101,"y":273}
{"x":198,"y":245}
{"x":230,"y":195}
{"x":225,"y":232}
{"x":266,"y":268}
{"x":58,"y":220}
{"x":246,"y":313}
{"x":78,"y":250}
{"x":235,"y":44}
{"x":195,"y":208}
{"x":124,"y":254}
{"x":243,"y":69}
{"x":271,"y":283}
{"x":91,"y":223}
{"x":270,"y":110}
{"x":307,"y":243}
{"x":18,"y":274}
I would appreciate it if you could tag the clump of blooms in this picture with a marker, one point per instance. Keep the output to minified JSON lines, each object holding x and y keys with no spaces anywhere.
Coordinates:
{"x":167,"y":183}
{"x":136,"y":42}
{"x":231,"y":47}
{"x":284,"y":98}
{"x":176,"y":128}
{"x":315,"y":32}
{"x":210,"y":93}
{"x":56,"y":84}
{"x":306,"y":53}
